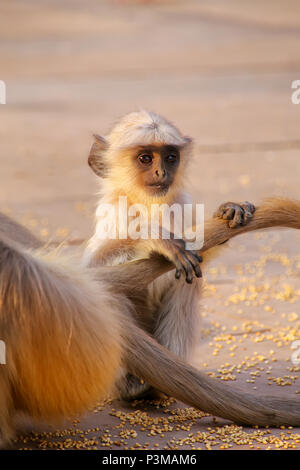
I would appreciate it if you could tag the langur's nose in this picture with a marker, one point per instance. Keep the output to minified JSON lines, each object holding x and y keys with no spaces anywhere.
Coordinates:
{"x":161,"y":173}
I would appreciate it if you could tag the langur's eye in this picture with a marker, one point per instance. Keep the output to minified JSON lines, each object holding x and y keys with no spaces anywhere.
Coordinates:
{"x":145,"y":159}
{"x":171,"y":158}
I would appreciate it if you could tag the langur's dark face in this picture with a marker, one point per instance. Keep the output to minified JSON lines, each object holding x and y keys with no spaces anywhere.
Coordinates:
{"x":157,"y":166}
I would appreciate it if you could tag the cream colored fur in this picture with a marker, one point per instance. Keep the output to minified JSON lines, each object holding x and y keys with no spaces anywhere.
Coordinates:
{"x":173,"y":319}
{"x":61,"y":329}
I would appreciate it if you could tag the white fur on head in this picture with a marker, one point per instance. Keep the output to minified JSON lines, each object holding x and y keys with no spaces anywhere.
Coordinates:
{"x":142,"y":128}
{"x":136,"y":129}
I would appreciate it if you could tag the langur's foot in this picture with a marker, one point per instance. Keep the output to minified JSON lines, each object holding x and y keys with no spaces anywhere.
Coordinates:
{"x":236,"y":214}
{"x":131,"y":388}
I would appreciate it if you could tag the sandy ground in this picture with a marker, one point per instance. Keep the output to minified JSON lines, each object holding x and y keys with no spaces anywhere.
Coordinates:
{"x":222,"y":71}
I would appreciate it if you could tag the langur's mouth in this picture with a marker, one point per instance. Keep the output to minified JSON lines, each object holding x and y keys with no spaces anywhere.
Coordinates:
{"x":159,"y":187}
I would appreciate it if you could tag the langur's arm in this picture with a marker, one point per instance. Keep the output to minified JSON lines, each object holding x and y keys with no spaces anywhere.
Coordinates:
{"x":136,"y":275}
{"x":273,"y":212}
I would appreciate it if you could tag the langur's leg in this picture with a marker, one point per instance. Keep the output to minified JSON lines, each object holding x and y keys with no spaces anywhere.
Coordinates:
{"x":176,"y":317}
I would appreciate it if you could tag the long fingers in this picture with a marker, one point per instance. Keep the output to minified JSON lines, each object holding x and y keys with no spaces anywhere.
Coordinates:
{"x":236,"y":214}
{"x":189,"y":263}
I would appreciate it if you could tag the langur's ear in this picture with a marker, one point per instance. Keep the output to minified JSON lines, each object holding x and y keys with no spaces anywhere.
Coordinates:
{"x":96,"y":156}
{"x":187,"y":140}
